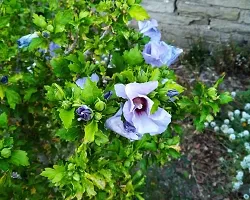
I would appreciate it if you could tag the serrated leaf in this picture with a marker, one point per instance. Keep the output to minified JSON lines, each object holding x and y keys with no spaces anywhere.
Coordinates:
{"x":55,"y":175}
{"x":137,"y":12}
{"x":62,"y":18}
{"x":37,"y":43}
{"x":13,"y":98}
{"x":91,"y":92}
{"x":118,"y":61}
{"x":212,"y":92}
{"x":100,"y":138}
{"x":19,"y":157}
{"x":225,"y":98}
{"x":155,"y":76}
{"x":90,"y":188}
{"x":171,"y":85}
{"x":133,"y":56}
{"x":67,"y":116}
{"x":60,"y":67}
{"x":39,"y":20}
{"x":97,"y":180}
{"x":3,"y":120}
{"x":89,"y":131}
{"x":4,"y":21}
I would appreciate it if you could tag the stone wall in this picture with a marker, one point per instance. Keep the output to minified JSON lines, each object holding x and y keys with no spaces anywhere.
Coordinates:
{"x":217,"y":21}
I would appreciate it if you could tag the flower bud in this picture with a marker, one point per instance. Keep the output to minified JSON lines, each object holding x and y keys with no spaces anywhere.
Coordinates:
{"x":66,"y":104}
{"x":98,"y":116}
{"x":100,"y":106}
{"x":4,"y":79}
{"x":6,"y":153}
{"x":84,"y":113}
{"x":107,"y":95}
{"x":50,"y":28}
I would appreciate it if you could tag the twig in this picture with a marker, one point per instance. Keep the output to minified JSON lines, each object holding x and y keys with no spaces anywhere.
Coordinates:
{"x":73,"y":46}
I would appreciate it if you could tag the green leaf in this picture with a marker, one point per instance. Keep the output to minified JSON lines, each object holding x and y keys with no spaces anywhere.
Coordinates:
{"x":62,"y":18}
{"x":133,"y":56}
{"x":3,"y":120}
{"x":97,"y":180}
{"x":225,"y":98}
{"x":4,"y":21}
{"x":2,"y":92}
{"x":13,"y":98}
{"x":67,"y":116}
{"x":100,"y":138}
{"x":28,"y":93}
{"x":118,"y":61}
{"x":90,"y":188}
{"x":155,"y":106}
{"x":212,"y":92}
{"x":37,"y":43}
{"x":39,"y":21}
{"x":19,"y":157}
{"x":56,"y":174}
{"x":155,"y":76}
{"x":68,"y":134}
{"x":90,"y":131}
{"x":91,"y":92}
{"x":128,"y":75}
{"x":60,"y":67}
{"x":138,"y":12}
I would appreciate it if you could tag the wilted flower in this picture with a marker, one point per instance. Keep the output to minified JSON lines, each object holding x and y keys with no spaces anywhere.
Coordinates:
{"x":26,"y":40}
{"x":81,"y":81}
{"x":107,"y":95}
{"x":136,"y":110}
{"x":160,"y":53}
{"x":4,"y":79}
{"x":84,"y":113}
{"x":148,"y":28}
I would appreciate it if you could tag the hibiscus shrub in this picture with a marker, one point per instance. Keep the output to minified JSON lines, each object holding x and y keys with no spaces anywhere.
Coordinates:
{"x":88,"y":103}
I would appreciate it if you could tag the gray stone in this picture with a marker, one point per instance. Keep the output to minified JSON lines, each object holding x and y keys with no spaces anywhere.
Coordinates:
{"x":243,"y":4}
{"x":177,"y":19}
{"x":161,"y":6}
{"x":245,"y":16}
{"x":207,"y":10}
{"x":226,"y":26}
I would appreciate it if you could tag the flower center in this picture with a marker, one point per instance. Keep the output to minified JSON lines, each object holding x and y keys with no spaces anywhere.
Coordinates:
{"x":140,"y":104}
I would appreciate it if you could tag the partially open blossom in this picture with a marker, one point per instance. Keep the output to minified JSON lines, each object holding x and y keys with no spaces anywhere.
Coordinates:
{"x":137,"y":108}
{"x":81,"y":81}
{"x":149,"y":28}
{"x":159,"y":53}
{"x":26,"y":40}
{"x":84,"y":113}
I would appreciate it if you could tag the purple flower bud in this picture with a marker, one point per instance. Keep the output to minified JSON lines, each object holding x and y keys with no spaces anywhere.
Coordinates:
{"x":172,"y":93}
{"x":52,"y":47}
{"x":84,"y":113}
{"x":4,"y":79}
{"x":107,"y":95}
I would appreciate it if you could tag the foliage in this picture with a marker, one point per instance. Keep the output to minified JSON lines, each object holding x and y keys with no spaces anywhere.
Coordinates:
{"x":48,"y":149}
